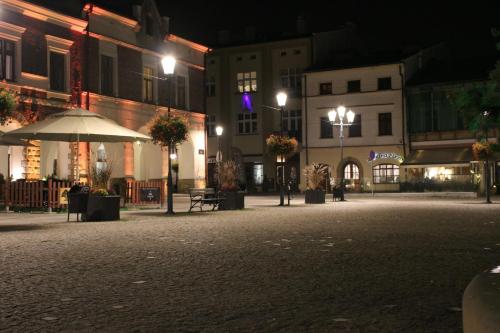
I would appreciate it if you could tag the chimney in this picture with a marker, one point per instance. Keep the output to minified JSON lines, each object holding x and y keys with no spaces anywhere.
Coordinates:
{"x":250,"y":34}
{"x":166,"y":24}
{"x":301,"y":26}
{"x":137,"y":12}
{"x":223,"y":37}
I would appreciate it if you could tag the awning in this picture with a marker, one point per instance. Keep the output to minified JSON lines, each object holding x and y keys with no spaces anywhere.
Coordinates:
{"x":439,"y":156}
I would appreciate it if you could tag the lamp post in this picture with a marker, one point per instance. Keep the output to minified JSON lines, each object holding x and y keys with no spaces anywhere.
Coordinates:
{"x":168,"y":64}
{"x":332,"y":115}
{"x":218,"y":158}
{"x":281,"y":98}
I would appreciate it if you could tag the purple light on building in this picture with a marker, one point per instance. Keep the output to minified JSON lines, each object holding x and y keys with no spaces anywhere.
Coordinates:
{"x":246,"y":102}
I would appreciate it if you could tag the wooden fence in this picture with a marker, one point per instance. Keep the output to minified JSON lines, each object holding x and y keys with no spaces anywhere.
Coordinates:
{"x":36,"y":193}
{"x":145,"y":192}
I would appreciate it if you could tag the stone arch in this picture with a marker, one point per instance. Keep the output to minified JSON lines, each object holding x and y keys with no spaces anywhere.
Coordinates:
{"x":345,"y":162}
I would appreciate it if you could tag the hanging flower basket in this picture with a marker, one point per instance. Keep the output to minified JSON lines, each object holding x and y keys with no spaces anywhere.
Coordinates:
{"x":278,"y":145}
{"x":482,"y":150}
{"x":169,"y":130}
{"x":7,"y":105}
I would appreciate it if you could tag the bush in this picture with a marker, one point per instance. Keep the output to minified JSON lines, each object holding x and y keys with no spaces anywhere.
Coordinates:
{"x":7,"y":105}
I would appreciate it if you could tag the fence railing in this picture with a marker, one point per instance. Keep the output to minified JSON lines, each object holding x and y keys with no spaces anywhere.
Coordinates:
{"x":145,"y":192}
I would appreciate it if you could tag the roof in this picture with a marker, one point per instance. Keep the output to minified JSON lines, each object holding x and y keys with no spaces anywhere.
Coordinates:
{"x":74,"y":7}
{"x":439,"y":156}
{"x":455,"y":70}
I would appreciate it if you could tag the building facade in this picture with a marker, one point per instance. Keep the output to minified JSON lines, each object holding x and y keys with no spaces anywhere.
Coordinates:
{"x":242,"y":82}
{"x":375,"y":144}
{"x":113,"y":69}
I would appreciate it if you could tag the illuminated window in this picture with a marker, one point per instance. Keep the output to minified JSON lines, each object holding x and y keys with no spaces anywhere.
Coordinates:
{"x":7,"y":60}
{"x":247,"y":82}
{"x":386,"y":174}
{"x":147,"y":84}
{"x":247,"y":123}
{"x":351,"y":171}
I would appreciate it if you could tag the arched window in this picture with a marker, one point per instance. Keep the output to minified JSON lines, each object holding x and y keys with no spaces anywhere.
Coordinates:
{"x":351,"y":171}
{"x":386,"y":174}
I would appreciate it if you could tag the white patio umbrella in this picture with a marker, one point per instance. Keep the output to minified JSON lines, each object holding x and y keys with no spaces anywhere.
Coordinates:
{"x":77,"y":125}
{"x":10,"y":141}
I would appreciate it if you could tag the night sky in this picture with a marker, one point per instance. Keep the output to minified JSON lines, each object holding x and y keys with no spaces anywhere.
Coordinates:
{"x":396,"y":23}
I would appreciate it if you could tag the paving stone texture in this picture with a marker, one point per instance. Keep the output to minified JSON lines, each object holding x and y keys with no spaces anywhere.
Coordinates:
{"x":365,"y":265}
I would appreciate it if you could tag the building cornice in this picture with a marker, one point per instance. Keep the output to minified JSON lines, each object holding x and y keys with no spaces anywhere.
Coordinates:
{"x":179,"y":40}
{"x":44,"y":14}
{"x":141,"y":49}
{"x":106,"y":13}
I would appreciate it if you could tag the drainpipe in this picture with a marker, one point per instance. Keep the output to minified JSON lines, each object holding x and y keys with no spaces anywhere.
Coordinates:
{"x":306,"y":136}
{"x":403,"y":107}
{"x":205,"y":115}
{"x":87,"y":55}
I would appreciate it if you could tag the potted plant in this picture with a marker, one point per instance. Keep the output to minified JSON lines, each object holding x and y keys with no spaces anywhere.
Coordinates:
{"x":315,"y":177}
{"x":102,"y":205}
{"x":229,"y":189}
{"x":7,"y":105}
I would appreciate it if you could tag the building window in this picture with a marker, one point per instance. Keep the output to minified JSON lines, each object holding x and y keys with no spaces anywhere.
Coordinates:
{"x":355,"y":128}
{"x":107,"y":75}
{"x":57,"y":72}
{"x":7,"y":61}
{"x":291,"y":78}
{"x":325,"y":88}
{"x":385,"y":123}
{"x":211,"y":86}
{"x":326,"y":129}
{"x":211,"y":126}
{"x":353,"y":86}
{"x":247,"y":123}
{"x":292,"y":123}
{"x":384,"y":83}
{"x":296,"y":52}
{"x":386,"y":174}
{"x":351,"y":171}
{"x":283,"y":53}
{"x":181,"y":92}
{"x":247,"y":82}
{"x":147,"y":84}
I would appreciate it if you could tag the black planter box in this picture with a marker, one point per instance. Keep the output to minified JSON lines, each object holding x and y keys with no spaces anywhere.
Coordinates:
{"x":232,"y":200}
{"x":315,"y":197}
{"x":103,"y":208}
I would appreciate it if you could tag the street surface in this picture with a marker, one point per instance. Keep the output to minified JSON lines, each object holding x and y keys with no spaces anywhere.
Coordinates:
{"x":378,"y":264}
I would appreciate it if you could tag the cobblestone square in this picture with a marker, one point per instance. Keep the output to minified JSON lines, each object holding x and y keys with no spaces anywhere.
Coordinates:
{"x":365,"y":265}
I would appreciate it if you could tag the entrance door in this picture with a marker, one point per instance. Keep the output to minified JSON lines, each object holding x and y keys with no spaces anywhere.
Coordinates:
{"x":351,"y":177}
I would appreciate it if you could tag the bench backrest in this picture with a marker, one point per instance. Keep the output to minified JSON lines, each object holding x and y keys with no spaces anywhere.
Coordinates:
{"x":201,"y":191}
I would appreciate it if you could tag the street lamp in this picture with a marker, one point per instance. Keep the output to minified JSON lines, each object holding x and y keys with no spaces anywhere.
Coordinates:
{"x":218,"y":157}
{"x":168,"y":63}
{"x":332,"y":116}
{"x":281,"y":99}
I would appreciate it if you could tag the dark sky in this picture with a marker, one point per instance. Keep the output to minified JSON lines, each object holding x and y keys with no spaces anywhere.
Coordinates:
{"x":397,"y":23}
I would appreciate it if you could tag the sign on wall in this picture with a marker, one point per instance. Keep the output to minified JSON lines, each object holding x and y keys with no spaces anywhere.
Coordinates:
{"x":63,"y":195}
{"x":384,"y":156}
{"x":150,"y":194}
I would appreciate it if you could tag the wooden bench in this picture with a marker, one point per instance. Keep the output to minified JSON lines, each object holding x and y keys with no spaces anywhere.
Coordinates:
{"x":204,"y":196}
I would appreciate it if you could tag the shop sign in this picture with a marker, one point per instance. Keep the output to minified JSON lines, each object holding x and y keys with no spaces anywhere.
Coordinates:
{"x":63,"y":195}
{"x":149,"y":194}
{"x":384,"y":156}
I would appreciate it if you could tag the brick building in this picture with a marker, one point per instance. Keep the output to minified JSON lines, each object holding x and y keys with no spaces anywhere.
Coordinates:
{"x":44,"y":55}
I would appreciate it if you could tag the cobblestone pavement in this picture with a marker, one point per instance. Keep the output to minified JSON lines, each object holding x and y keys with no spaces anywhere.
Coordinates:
{"x":365,"y":265}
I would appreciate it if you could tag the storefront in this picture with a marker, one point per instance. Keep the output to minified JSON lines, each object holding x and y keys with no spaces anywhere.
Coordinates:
{"x":444,"y":169}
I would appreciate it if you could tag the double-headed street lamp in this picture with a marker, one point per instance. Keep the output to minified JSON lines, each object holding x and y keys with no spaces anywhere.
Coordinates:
{"x":281,"y":98}
{"x":332,"y":116}
{"x":218,"y":158}
{"x":168,"y":64}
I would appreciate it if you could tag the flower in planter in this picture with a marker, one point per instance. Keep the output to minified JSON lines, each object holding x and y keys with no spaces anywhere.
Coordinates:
{"x":100,"y":192}
{"x":228,"y":174}
{"x":278,"y":145}
{"x":7,"y":105}
{"x":315,"y":176}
